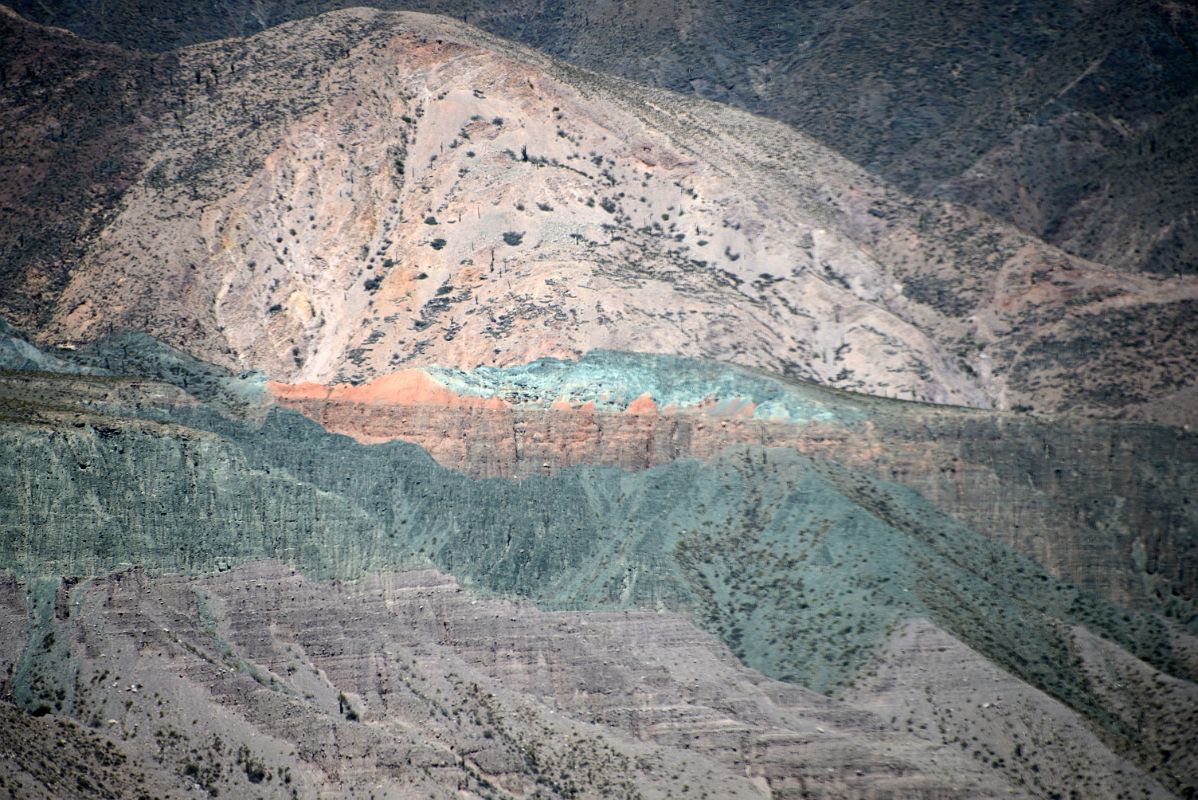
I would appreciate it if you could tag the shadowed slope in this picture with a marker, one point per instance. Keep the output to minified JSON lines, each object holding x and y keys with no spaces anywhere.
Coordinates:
{"x":800,"y":565}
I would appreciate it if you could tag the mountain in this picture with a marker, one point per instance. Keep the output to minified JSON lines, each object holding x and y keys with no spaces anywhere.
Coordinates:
{"x":309,"y":203}
{"x":1072,"y":120}
{"x":391,"y":410}
{"x":290,"y":588}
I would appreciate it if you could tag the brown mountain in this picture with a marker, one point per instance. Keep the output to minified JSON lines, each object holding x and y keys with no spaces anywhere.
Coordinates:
{"x":337,"y":198}
{"x":1073,"y":120}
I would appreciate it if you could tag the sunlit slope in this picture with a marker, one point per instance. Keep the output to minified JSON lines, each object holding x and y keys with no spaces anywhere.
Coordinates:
{"x":344,"y":196}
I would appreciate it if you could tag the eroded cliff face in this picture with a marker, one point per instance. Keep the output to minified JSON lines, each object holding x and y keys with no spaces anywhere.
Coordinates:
{"x":493,"y":438}
{"x":1104,"y":506}
{"x":339,"y":198}
{"x":405,"y":683}
{"x":802,"y":560}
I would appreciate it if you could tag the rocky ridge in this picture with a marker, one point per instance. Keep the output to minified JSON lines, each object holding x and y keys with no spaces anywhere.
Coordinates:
{"x":1074,"y":121}
{"x":410,"y":191}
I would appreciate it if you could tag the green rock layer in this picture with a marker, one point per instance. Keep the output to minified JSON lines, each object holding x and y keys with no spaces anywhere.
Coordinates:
{"x":611,"y":380}
{"x":800,"y":564}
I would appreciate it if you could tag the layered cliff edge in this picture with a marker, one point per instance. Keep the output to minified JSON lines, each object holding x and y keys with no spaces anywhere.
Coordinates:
{"x":1103,"y":504}
{"x":805,"y":566}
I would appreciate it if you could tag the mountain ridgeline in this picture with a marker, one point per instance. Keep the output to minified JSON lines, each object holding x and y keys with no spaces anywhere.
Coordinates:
{"x":1074,"y":121}
{"x":341,"y":197}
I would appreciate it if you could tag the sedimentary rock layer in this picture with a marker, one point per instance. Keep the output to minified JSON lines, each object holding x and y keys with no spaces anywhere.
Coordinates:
{"x":804,"y":565}
{"x":1104,"y":505}
{"x":259,"y":681}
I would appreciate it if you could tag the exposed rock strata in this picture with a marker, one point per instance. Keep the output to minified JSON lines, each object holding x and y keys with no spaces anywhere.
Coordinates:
{"x":102,"y":490}
{"x":937,"y":689}
{"x":804,"y":566}
{"x":404,"y":682}
{"x":1103,"y":505}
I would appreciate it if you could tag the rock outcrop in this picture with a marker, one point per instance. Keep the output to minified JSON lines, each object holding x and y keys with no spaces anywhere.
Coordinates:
{"x":1103,"y":505}
{"x":399,"y":514}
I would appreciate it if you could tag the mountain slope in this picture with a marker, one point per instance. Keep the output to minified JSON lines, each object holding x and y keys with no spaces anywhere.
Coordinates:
{"x":1072,"y":120}
{"x":259,"y":680}
{"x":403,"y":190}
{"x":804,"y":567}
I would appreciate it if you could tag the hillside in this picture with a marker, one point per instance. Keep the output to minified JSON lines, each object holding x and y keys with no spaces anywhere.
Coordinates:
{"x":1074,"y":121}
{"x":389,"y":409}
{"x":339,"y":198}
{"x":274,"y":569}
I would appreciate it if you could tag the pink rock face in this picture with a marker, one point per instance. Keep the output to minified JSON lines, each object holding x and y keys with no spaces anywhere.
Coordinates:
{"x":1033,"y":485}
{"x":487,"y":437}
{"x":410,"y":387}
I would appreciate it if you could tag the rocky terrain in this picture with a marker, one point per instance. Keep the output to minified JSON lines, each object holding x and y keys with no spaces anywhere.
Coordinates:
{"x":1096,"y":503}
{"x":1074,"y":121}
{"x":310,"y":203}
{"x":391,"y":410}
{"x":401,"y":684}
{"x":275,"y":572}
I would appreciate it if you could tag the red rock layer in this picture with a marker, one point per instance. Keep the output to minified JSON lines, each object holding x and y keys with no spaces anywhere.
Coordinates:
{"x":487,"y":437}
{"x":1044,"y":488}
